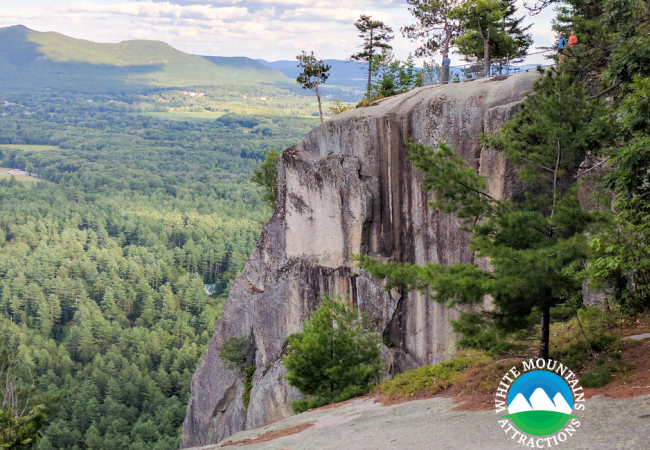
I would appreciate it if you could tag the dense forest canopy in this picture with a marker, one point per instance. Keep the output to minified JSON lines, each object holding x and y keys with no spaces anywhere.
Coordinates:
{"x":104,"y":253}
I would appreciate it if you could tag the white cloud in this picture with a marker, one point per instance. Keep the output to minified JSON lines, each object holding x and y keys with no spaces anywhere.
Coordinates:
{"x":269,"y":29}
{"x":161,"y":10}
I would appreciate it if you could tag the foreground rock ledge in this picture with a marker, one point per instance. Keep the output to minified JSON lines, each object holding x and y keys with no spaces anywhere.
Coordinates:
{"x":348,"y":189}
{"x":432,"y":424}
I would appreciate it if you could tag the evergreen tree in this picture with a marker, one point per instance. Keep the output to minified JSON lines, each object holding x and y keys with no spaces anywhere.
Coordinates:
{"x":436,"y":26}
{"x":266,"y":177}
{"x":44,"y":317}
{"x":335,"y":358}
{"x":534,"y":246}
{"x":314,"y":73}
{"x":620,"y":259}
{"x":393,"y":76}
{"x":5,"y":298}
{"x":376,"y":37}
{"x":491,"y":29}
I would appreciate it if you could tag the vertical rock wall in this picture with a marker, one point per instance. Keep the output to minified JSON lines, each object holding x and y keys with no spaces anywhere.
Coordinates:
{"x":348,"y":189}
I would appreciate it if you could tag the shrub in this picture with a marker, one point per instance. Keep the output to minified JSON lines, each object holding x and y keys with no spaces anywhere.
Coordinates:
{"x":338,"y":107}
{"x":248,"y":385}
{"x":606,"y":367}
{"x":429,"y":380}
{"x":234,"y":353}
{"x":570,"y":346}
{"x":596,"y":379}
{"x":237,"y":354}
{"x":266,"y":177}
{"x":335,"y":358}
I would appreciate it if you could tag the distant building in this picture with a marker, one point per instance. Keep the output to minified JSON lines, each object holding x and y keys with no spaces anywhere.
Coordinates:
{"x":210,"y":289}
{"x":192,"y":93}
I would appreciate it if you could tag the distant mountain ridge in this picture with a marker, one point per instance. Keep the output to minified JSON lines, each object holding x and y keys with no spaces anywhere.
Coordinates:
{"x":343,"y":73}
{"x":36,"y":60}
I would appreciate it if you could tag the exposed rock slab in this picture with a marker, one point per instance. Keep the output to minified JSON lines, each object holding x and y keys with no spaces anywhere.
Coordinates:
{"x":637,"y":337}
{"x":432,"y":424}
{"x":348,"y":189}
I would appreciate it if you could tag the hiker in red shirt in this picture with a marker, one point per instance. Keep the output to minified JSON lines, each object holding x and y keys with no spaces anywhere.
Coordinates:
{"x":573,"y":39}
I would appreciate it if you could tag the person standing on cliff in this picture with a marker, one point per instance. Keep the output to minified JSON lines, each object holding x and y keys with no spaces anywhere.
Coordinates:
{"x":561,"y":45}
{"x":446,"y":64}
{"x":573,"y":39}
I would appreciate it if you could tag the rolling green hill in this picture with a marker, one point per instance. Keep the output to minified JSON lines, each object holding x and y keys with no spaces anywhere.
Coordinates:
{"x":33,"y":60}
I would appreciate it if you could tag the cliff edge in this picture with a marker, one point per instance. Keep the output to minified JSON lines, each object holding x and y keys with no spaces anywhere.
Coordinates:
{"x":348,"y":189}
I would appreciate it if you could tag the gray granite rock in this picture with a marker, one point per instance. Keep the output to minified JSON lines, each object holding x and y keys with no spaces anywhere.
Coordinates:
{"x":348,"y":189}
{"x":432,"y":424}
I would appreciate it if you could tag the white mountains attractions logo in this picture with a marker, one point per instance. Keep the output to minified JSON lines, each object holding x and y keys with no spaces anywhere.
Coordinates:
{"x":540,"y":403}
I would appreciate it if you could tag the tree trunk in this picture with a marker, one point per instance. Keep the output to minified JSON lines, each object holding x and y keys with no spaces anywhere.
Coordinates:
{"x":370,"y":64}
{"x":486,"y":49}
{"x":546,"y":329}
{"x":486,"y":58}
{"x":445,"y":52}
{"x":320,"y":109}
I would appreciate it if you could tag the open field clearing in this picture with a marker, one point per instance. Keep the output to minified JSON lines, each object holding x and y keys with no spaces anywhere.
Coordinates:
{"x":31,"y":148}
{"x":21,"y":178}
{"x":194,"y":117}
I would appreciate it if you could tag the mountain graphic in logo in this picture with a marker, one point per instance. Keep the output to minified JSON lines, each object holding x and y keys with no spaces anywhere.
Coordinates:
{"x":540,"y":403}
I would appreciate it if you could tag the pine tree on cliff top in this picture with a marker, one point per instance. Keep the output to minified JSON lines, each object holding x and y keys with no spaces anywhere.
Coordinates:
{"x":376,"y":37}
{"x":534,"y":245}
{"x":314,"y":73}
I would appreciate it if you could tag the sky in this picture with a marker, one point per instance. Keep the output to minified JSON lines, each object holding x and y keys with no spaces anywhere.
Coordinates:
{"x":266,"y":29}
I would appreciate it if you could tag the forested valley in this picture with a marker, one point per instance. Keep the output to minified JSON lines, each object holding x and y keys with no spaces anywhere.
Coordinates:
{"x":105,"y":251}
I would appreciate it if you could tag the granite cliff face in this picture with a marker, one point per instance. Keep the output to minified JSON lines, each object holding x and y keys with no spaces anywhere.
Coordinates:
{"x":348,"y":189}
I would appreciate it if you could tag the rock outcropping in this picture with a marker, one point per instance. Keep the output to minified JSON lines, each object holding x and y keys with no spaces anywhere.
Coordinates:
{"x":348,"y":189}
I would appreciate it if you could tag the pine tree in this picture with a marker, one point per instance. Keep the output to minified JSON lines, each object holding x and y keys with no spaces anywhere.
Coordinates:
{"x":393,"y":76}
{"x":376,"y":37}
{"x":163,"y":381}
{"x":314,"y":73}
{"x":86,"y":347}
{"x":534,"y":246}
{"x":266,"y":177}
{"x":435,"y":25}
{"x":335,"y":358}
{"x":93,"y":439}
{"x":44,"y":315}
{"x":490,"y":28}
{"x":114,"y":390}
{"x":168,"y":300}
{"x":5,"y":298}
{"x":110,"y":309}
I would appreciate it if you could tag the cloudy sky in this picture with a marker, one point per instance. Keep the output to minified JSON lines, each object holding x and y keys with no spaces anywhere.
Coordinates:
{"x":268,"y":29}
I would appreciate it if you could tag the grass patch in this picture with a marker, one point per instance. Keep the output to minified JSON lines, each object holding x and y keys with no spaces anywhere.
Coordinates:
{"x":31,"y":148}
{"x":606,"y":368}
{"x":483,"y":378}
{"x":21,"y":178}
{"x":429,"y":380}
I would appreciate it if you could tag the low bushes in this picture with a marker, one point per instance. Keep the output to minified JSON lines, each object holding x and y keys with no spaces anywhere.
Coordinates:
{"x":429,"y":380}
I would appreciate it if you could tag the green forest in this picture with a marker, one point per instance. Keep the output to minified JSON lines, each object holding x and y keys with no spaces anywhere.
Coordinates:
{"x":104,"y":254}
{"x":119,"y":206}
